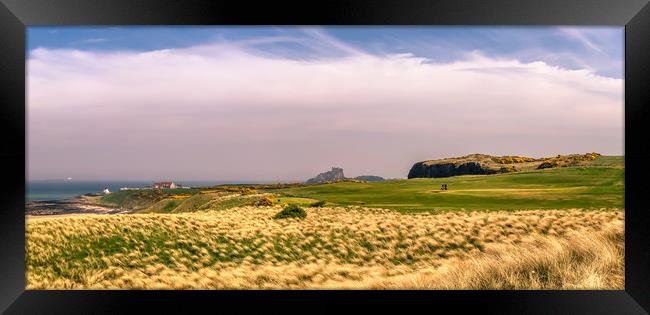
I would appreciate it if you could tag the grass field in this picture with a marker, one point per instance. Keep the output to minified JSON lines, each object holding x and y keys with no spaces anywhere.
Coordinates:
{"x":558,"y":188}
{"x":331,"y":248}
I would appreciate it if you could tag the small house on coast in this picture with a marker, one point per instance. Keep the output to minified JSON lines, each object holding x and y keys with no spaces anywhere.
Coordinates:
{"x":160,"y":185}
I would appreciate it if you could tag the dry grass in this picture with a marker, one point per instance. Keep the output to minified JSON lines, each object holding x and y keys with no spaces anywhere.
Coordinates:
{"x":589,"y":260}
{"x":331,"y":248}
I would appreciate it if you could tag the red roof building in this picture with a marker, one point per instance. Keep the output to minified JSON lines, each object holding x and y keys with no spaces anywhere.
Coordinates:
{"x":160,"y":185}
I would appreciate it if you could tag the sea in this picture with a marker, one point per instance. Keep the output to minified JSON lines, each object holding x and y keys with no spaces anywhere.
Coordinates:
{"x":51,"y":190}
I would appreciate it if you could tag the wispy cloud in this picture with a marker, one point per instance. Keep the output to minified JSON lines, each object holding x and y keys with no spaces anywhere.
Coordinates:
{"x":92,"y":40}
{"x":581,"y":37}
{"x":322,"y":38}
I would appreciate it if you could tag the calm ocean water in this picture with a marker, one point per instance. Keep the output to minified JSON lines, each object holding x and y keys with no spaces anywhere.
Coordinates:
{"x":58,"y":190}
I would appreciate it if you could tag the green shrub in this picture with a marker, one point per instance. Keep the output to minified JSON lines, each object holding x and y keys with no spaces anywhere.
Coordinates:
{"x":170,"y":205}
{"x":551,"y":164}
{"x":319,"y":203}
{"x":291,"y":211}
{"x":544,"y":165}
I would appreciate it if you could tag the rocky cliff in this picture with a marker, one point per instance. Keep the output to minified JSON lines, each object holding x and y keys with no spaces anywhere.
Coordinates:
{"x":335,"y":174}
{"x":422,"y":169}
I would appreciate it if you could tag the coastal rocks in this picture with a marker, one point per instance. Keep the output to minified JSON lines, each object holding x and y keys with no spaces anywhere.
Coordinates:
{"x":335,"y":174}
{"x":69,"y":206}
{"x":425,"y":170}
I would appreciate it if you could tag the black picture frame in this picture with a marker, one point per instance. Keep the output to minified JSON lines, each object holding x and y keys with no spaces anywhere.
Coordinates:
{"x":16,"y":15}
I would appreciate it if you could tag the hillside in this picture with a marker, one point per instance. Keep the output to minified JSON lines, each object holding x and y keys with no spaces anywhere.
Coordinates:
{"x":598,"y":183}
{"x":483,"y":164}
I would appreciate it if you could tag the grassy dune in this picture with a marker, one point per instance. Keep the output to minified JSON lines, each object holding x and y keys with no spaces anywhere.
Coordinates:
{"x":558,"y":228}
{"x":332,"y":248}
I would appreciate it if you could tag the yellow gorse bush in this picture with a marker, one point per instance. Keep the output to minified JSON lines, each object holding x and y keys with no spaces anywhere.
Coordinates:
{"x":508,"y":159}
{"x":567,"y":160}
{"x":233,"y":189}
{"x":559,"y":160}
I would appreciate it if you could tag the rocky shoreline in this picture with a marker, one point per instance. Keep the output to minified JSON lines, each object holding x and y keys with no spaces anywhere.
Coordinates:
{"x":80,"y":205}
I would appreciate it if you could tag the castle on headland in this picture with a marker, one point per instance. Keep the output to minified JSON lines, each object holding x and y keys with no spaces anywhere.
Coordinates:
{"x":330,"y":176}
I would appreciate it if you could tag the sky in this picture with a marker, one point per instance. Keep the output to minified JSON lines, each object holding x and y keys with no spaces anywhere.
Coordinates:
{"x":286,"y":103}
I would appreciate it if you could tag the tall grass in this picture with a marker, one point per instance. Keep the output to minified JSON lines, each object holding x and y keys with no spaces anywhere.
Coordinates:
{"x":588,"y":260}
{"x":330,"y":248}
